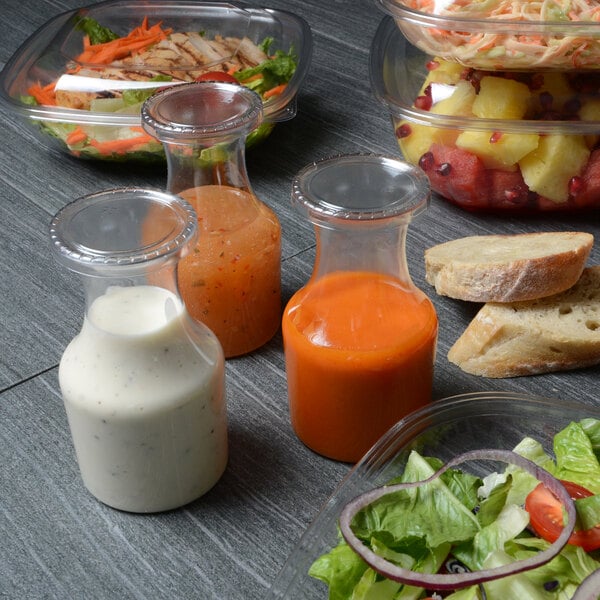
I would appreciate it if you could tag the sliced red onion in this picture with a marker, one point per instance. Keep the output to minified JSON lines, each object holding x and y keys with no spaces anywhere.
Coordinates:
{"x":589,"y":588}
{"x":456,"y":581}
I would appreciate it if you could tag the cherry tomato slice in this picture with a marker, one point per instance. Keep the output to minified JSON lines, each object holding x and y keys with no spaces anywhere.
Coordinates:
{"x":217,"y":76}
{"x":546,"y":516}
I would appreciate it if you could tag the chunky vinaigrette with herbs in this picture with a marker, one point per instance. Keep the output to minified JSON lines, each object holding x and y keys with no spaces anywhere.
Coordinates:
{"x":472,"y":523}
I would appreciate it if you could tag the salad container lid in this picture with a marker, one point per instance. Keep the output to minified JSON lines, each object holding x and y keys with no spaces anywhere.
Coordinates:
{"x":189,"y":38}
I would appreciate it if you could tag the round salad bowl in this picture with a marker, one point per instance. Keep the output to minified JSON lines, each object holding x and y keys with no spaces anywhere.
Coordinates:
{"x":80,"y":80}
{"x":502,"y":34}
{"x":522,"y":141}
{"x":444,"y":429}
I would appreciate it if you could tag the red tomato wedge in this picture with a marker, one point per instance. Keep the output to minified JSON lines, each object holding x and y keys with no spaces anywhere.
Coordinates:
{"x":217,"y":76}
{"x":546,"y":516}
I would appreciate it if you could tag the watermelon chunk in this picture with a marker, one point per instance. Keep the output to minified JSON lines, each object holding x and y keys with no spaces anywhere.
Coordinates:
{"x":588,"y":192}
{"x":508,"y":191}
{"x":457,"y":175}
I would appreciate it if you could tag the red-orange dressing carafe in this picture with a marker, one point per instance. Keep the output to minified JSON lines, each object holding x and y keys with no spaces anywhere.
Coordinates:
{"x":359,"y":337}
{"x":232,"y":280}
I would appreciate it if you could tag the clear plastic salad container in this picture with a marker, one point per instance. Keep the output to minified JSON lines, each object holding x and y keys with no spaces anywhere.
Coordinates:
{"x":80,"y":79}
{"x":503,"y":34}
{"x":519,"y":141}
{"x":443,"y":429}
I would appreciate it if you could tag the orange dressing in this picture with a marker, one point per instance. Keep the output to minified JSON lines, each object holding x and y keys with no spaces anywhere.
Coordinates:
{"x":359,"y":350}
{"x":232,"y":281}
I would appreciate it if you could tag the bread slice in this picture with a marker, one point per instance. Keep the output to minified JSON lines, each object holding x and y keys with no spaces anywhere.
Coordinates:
{"x":556,"y":333}
{"x":508,"y":268}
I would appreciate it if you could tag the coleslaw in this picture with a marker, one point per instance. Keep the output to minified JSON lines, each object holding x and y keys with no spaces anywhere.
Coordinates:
{"x":506,"y":34}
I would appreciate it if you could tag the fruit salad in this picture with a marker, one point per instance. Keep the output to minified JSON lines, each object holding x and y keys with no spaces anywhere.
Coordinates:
{"x":506,"y":140}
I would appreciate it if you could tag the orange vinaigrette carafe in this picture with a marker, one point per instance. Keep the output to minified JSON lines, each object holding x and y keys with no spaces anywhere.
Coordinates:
{"x":232,"y":280}
{"x":359,"y":338}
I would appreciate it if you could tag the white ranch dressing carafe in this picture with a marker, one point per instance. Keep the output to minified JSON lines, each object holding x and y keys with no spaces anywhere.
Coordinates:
{"x":143,"y":384}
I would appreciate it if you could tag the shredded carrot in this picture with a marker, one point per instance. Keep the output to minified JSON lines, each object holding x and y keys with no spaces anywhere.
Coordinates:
{"x":275,"y":91}
{"x":43,"y":94}
{"x":253,"y":78}
{"x":76,"y":136}
{"x":136,"y":40}
{"x":121,"y":146}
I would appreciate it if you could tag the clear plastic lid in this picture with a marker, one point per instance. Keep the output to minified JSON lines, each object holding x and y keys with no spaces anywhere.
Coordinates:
{"x":361,"y":187}
{"x":201,"y":109}
{"x":124,"y":231}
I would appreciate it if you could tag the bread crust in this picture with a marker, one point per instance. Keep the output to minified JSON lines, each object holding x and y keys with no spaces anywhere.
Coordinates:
{"x":508,"y":268}
{"x":555,"y":333}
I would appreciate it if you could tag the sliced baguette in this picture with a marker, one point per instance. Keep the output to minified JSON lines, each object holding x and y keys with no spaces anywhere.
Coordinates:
{"x":507,"y":268}
{"x":556,"y":333}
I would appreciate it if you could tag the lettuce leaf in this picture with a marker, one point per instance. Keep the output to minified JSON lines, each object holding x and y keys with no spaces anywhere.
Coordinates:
{"x":97,"y":33}
{"x":431,"y":512}
{"x":575,"y":458}
{"x":275,"y":71}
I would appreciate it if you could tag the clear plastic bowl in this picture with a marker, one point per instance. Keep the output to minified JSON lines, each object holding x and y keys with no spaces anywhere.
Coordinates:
{"x":443,"y":429}
{"x":95,"y":93}
{"x":503,"y":34}
{"x":519,"y":141}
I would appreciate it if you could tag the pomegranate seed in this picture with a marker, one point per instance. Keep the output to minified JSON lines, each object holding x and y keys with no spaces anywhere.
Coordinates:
{"x":546,"y":100}
{"x":403,"y":131}
{"x":432,"y":65}
{"x":495,"y":137}
{"x":444,"y":169}
{"x":424,"y":102}
{"x":511,"y":195}
{"x":575,"y":185}
{"x":516,"y":195}
{"x":426,"y":161}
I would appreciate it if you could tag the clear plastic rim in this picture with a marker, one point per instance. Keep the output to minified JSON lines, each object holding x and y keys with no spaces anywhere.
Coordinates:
{"x":387,"y":187}
{"x":78,"y":255}
{"x":399,"y":10}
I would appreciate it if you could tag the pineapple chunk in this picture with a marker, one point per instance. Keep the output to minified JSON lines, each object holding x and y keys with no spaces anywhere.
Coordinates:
{"x":459,"y":103}
{"x":549,"y":168}
{"x":590,"y":110}
{"x":498,"y":152}
{"x":420,"y":139}
{"x":501,"y":98}
{"x":446,"y":72}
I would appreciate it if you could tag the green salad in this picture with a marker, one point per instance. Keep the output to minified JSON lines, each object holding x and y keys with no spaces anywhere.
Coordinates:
{"x":465,"y":522}
{"x":113,"y":76}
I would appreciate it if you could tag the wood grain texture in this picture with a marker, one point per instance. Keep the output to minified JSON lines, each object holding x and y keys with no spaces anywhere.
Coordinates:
{"x":57,"y":541}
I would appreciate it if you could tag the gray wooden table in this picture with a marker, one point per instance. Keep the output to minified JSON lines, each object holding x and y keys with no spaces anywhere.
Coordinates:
{"x":56,"y":541}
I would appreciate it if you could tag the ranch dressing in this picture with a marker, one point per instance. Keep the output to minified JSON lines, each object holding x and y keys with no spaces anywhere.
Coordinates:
{"x":146,"y":413}
{"x":143,"y":384}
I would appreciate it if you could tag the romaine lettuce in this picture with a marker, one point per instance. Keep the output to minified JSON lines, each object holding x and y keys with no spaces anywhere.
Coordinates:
{"x":479,"y":522}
